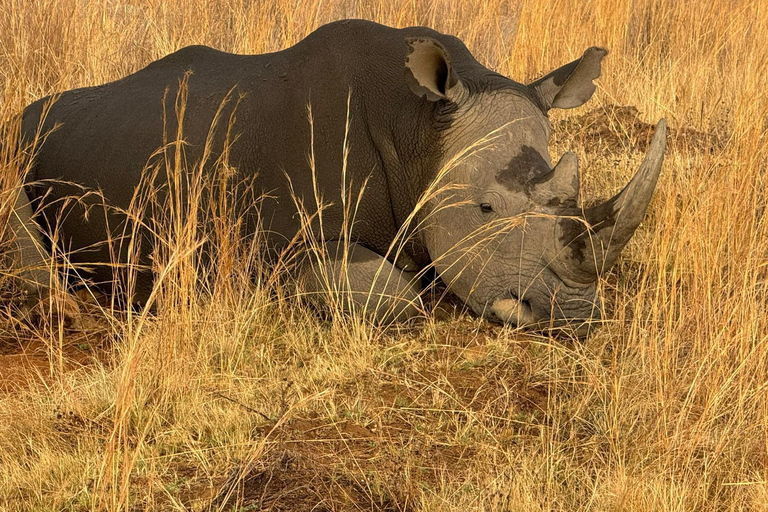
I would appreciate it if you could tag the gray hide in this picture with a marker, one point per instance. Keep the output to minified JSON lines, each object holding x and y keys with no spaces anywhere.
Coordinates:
{"x":489,"y":218}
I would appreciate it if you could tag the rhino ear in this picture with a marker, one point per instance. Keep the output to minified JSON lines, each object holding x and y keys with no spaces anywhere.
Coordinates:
{"x":571,"y":85}
{"x":428,"y":70}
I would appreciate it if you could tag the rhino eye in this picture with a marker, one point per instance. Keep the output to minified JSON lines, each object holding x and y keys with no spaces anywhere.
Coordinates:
{"x":486,"y":208}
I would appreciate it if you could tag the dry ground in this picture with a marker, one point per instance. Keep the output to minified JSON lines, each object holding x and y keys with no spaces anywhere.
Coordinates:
{"x":237,"y":399}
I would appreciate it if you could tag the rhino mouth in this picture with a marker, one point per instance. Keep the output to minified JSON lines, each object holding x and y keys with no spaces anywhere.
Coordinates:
{"x":513,"y":310}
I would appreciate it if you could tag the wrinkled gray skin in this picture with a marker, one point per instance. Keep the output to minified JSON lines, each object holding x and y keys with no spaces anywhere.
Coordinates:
{"x":503,"y":228}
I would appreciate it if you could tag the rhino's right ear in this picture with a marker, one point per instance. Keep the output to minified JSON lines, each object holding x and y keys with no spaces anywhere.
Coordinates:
{"x":571,"y":85}
{"x":428,"y":70}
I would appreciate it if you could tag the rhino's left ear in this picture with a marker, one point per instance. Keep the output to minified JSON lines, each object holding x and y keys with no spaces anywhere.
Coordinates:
{"x":571,"y":85}
{"x":428,"y":69}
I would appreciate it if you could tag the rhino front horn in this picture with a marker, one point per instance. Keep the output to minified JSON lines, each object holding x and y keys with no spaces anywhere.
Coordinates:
{"x":613,"y":222}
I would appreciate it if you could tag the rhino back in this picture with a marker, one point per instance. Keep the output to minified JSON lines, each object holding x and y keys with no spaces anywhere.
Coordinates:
{"x":105,"y":135}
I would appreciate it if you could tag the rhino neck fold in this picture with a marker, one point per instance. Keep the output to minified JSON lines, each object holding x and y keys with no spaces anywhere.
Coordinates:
{"x":410,"y":151}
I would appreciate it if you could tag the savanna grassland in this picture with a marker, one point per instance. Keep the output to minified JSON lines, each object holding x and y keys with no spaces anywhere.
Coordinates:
{"x":234,"y":396}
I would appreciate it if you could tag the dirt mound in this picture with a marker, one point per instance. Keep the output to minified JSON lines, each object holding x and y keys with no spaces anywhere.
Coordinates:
{"x":618,"y":129}
{"x":295,"y":481}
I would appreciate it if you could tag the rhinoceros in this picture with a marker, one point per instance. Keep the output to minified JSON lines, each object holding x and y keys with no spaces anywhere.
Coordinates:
{"x":435,"y":149}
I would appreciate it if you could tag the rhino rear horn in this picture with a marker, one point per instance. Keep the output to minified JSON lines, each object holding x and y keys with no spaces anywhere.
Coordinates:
{"x":571,"y":85}
{"x":612,"y":223}
{"x":560,"y":187}
{"x":428,"y":69}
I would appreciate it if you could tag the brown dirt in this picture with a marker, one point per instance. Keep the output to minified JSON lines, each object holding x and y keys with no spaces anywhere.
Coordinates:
{"x":290,"y":480}
{"x":317,"y":464}
{"x":31,"y":362}
{"x":617,"y":129}
{"x":31,"y":356}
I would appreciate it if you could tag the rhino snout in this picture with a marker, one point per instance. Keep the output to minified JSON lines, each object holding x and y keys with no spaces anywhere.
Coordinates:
{"x":577,"y":320}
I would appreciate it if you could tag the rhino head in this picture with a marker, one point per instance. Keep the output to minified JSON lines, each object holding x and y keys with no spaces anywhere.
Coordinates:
{"x":505,"y":229}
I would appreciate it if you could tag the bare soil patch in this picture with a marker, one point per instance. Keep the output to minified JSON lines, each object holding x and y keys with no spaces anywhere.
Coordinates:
{"x":32,"y":355}
{"x":291,"y":480}
{"x":30,"y":362}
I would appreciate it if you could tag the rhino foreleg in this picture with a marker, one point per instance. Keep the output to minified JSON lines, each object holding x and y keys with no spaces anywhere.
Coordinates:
{"x":359,"y":281}
{"x":30,"y":252}
{"x":33,"y":263}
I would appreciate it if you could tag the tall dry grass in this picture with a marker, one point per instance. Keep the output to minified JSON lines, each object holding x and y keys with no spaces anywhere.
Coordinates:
{"x":231,"y":397}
